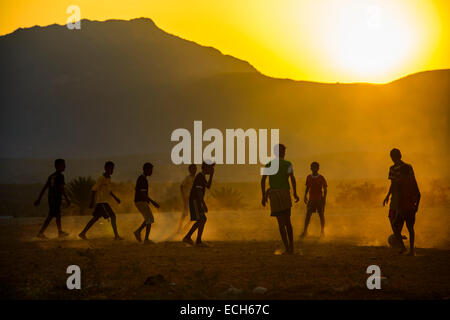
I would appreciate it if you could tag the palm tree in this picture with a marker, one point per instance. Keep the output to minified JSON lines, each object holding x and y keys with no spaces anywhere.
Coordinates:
{"x":79,"y":192}
{"x":228,"y":198}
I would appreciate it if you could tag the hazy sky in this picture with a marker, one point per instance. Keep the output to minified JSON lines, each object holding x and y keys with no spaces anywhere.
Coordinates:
{"x":319,"y":40}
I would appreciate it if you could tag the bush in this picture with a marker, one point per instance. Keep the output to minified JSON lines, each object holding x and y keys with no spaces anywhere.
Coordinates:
{"x":366,"y":194}
{"x":436,"y":194}
{"x":227,"y":198}
{"x":79,"y":192}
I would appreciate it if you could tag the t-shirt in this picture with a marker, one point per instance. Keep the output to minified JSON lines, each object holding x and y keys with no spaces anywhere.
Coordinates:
{"x":199,"y":183}
{"x":280,"y":180}
{"x":396,"y":169}
{"x":55,"y":184}
{"x":141,"y":189}
{"x":404,"y":185}
{"x":103,"y":188}
{"x":315,"y":184}
{"x":187,"y":186}
{"x":409,"y":192}
{"x":394,"y":175}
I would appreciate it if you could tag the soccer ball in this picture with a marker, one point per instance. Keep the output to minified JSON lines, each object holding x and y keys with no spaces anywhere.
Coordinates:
{"x":393,"y":242}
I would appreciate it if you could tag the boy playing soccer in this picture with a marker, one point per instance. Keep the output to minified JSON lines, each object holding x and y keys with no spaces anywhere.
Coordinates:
{"x":197,"y":205}
{"x":315,"y":183}
{"x":279,"y":195}
{"x":185,"y":189}
{"x":101,"y":194}
{"x":404,"y":197}
{"x":142,"y":200}
{"x":55,"y":185}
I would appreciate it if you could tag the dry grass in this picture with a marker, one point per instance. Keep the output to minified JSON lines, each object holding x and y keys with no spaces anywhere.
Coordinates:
{"x":242,"y":256}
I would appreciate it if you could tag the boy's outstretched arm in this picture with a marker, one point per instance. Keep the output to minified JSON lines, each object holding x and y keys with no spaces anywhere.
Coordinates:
{"x":115,"y":197}
{"x":208,"y":184}
{"x":63,"y":191}
{"x":418,"y":194}
{"x":386,"y":200}
{"x":263,"y":190}
{"x":305,"y":198}
{"x":153,"y":202}
{"x":38,"y":201}
{"x":294,"y":187}
{"x":325,"y":191}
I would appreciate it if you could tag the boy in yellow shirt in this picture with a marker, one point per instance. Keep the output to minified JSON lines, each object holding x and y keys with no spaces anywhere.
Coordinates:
{"x":101,"y":195}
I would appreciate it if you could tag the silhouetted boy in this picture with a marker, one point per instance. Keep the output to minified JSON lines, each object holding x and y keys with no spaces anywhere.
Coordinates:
{"x":197,"y":205}
{"x":185,"y":189}
{"x":315,"y":183}
{"x":55,"y":185}
{"x":142,"y":201}
{"x":101,"y":195}
{"x":404,"y":199}
{"x":280,"y":196}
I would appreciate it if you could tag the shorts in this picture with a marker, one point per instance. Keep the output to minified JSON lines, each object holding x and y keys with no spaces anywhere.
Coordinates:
{"x":196,"y":209}
{"x":103,"y":210}
{"x":315,"y":206}
{"x":280,"y":201}
{"x":286,"y":212}
{"x":391,"y":214}
{"x":408,"y":216}
{"x":144,"y":209}
{"x":54,"y":208}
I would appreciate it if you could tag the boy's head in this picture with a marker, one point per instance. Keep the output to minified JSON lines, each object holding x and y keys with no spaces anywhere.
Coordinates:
{"x":148,"y":169}
{"x":396,"y":155}
{"x":208,"y":167}
{"x":315,"y":167}
{"x":109,"y":167}
{"x":192,"y":169}
{"x":60,"y":165}
{"x":280,"y":149}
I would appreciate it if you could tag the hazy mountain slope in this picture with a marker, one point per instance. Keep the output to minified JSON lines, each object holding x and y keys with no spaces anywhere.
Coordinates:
{"x":69,"y":83}
{"x":121,"y":87}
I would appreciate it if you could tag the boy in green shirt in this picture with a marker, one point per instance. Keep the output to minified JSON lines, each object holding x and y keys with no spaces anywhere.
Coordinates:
{"x":280,"y":196}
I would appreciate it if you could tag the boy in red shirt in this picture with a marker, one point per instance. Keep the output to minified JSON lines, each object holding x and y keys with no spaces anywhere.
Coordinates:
{"x":315,"y":183}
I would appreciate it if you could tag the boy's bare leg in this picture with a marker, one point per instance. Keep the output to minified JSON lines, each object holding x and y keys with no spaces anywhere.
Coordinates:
{"x":410,"y":226}
{"x":183,"y":216}
{"x":187,"y":237}
{"x":201,"y":227}
{"x":290,"y":234}
{"x":142,"y":226}
{"x":88,"y":226}
{"x":307,"y":219}
{"x":322,"y":222}
{"x":114,"y":226}
{"x":283,"y":233}
{"x":58,"y":223}
{"x":138,"y":231}
{"x":181,"y":223}
{"x":44,"y":227}
{"x":61,"y":233}
{"x":397,"y":226}
{"x":147,"y":231}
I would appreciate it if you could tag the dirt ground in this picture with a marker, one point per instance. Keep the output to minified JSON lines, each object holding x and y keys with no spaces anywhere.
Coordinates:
{"x":244,"y":254}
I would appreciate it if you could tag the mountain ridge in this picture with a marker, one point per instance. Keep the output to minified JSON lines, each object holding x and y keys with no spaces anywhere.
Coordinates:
{"x":151,"y":22}
{"x":115,"y":88}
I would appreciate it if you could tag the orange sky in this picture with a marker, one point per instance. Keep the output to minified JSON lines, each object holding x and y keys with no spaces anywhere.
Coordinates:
{"x":327,"y":40}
